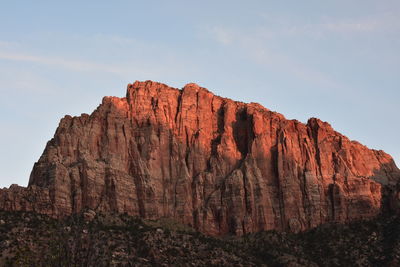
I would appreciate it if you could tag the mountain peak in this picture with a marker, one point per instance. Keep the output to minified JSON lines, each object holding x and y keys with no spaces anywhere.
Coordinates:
{"x":216,"y":164}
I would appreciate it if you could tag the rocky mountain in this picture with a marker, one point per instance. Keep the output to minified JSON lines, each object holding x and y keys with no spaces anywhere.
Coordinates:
{"x":209,"y":162}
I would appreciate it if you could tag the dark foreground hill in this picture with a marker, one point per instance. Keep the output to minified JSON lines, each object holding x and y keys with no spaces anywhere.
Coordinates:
{"x":90,"y":239}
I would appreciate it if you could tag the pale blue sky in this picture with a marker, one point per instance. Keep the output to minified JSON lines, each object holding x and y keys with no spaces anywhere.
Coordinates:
{"x":336,"y":60}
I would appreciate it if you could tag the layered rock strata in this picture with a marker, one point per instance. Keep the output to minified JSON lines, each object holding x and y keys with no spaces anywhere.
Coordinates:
{"x":218,"y":165}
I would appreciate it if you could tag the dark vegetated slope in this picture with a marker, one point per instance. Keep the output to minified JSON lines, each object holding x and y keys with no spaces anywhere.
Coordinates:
{"x":29,"y":239}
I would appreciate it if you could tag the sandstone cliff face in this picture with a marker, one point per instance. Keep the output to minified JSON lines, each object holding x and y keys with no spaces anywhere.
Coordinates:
{"x":218,"y":165}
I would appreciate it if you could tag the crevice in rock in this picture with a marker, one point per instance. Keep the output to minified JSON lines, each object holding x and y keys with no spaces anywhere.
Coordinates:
{"x":73,"y":193}
{"x":138,"y":181}
{"x":245,"y":190}
{"x":123,"y":131}
{"x":313,"y":133}
{"x":278,"y":159}
{"x":179,"y":110}
{"x":220,"y":131}
{"x":306,"y":197}
{"x":110,"y":190}
{"x":243,"y":131}
{"x":154,"y":103}
{"x":84,"y":183}
{"x":331,"y":195}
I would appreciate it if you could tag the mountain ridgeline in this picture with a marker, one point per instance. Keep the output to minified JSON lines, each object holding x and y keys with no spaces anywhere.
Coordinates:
{"x":217,"y":165}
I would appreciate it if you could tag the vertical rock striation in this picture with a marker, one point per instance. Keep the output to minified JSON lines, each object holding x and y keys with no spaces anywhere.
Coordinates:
{"x":218,"y":165}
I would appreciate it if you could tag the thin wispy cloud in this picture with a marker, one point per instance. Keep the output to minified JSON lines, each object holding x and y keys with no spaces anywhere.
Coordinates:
{"x":223,"y":35}
{"x":255,"y":45}
{"x":116,"y":40}
{"x":126,"y":57}
{"x":384,"y":23}
{"x":329,"y":26}
{"x":351,"y":26}
{"x":378,"y":24}
{"x":123,"y":70}
{"x":74,"y":65}
{"x":25,"y":81}
{"x":8,"y":44}
{"x":261,"y":43}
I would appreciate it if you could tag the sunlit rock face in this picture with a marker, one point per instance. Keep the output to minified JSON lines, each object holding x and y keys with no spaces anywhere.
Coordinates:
{"x":218,"y":165}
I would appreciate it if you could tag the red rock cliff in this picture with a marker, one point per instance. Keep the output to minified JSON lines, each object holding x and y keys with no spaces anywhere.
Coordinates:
{"x":210,"y":162}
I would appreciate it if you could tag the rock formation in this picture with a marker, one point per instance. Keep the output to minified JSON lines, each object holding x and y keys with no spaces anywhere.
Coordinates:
{"x":218,"y":165}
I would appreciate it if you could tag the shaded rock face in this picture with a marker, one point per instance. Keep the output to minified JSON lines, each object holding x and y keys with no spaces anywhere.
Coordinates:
{"x":218,"y":165}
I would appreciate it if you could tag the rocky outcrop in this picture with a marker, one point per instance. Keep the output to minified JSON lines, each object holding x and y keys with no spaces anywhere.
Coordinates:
{"x":218,"y":165}
{"x":33,"y":198}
